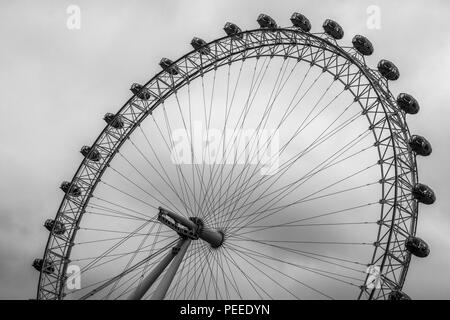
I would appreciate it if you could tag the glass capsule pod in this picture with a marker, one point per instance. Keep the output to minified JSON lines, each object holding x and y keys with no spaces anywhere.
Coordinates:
{"x":91,"y":153}
{"x":398,"y":295}
{"x":423,"y":193}
{"x":47,"y":267}
{"x":300,"y":21}
{"x":70,"y":189}
{"x":168,"y":66}
{"x":57,"y":226}
{"x":266,"y":21}
{"x":200,"y":45}
{"x":420,"y":145}
{"x":333,"y":29}
{"x":362,"y":45}
{"x":114,"y":121}
{"x":388,"y":70}
{"x":417,"y":247}
{"x":408,"y":103}
{"x":232,"y":30}
{"x":140,"y":91}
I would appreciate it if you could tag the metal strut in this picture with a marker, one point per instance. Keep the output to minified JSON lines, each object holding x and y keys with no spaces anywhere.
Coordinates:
{"x":145,"y":285}
{"x":192,"y":228}
{"x":188,"y":229}
{"x":165,"y":283}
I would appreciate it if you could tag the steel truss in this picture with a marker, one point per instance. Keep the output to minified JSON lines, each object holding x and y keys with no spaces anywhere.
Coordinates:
{"x":397,"y":163}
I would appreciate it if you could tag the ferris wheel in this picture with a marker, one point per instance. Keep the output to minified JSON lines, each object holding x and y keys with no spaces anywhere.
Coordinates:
{"x":272,"y":163}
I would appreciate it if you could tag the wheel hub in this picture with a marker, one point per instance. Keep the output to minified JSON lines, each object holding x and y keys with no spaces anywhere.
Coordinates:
{"x":192,"y":228}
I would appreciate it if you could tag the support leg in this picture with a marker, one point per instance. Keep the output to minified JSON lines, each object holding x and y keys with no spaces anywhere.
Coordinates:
{"x":164,"y":285}
{"x":142,"y":289}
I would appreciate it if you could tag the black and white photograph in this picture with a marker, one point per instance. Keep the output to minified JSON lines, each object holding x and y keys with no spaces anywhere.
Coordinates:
{"x":211,"y":151}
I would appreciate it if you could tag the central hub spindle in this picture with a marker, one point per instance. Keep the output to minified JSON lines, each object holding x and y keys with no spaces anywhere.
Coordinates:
{"x":192,"y":228}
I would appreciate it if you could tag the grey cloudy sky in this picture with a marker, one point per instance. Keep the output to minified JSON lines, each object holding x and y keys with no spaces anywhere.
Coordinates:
{"x":57,"y":83}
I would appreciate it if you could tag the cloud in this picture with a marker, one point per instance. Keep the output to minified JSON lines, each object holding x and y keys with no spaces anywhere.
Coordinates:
{"x":58,"y":83}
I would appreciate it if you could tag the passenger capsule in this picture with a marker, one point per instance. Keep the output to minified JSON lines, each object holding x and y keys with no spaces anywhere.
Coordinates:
{"x":114,"y":121}
{"x":232,"y":30}
{"x":363,"y":45}
{"x":417,"y":247}
{"x":423,"y":193}
{"x":266,"y":22}
{"x":91,"y":153}
{"x":420,"y":145}
{"x":141,"y":92}
{"x":388,"y":70}
{"x":301,"y":22}
{"x":333,"y":29}
{"x":56,"y":226}
{"x":70,"y":189}
{"x":398,"y":295}
{"x":407,"y":103}
{"x":168,"y":66}
{"x":200,"y":45}
{"x":47,"y":267}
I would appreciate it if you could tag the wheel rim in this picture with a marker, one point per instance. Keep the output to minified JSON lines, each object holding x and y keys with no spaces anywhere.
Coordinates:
{"x":389,"y":129}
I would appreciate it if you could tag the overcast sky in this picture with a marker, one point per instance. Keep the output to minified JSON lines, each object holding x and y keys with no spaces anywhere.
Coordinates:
{"x":57,"y":83}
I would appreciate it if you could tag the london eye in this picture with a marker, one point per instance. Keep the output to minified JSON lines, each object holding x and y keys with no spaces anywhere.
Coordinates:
{"x":272,"y":163}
